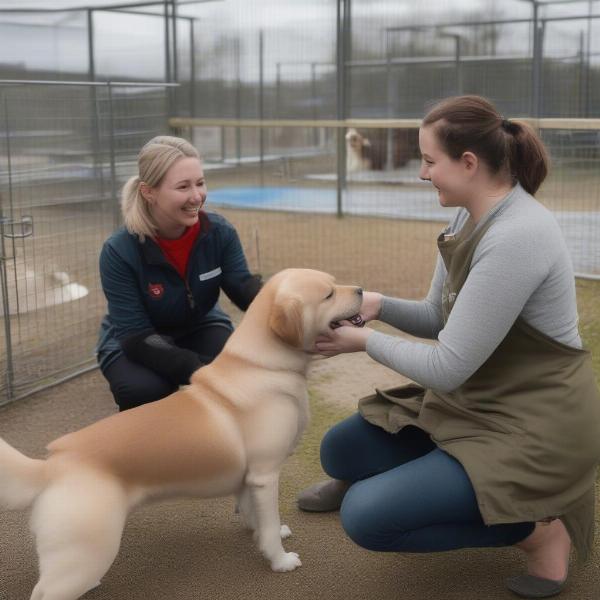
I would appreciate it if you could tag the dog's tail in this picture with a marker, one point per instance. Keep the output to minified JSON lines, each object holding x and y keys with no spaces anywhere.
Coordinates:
{"x":21,"y":478}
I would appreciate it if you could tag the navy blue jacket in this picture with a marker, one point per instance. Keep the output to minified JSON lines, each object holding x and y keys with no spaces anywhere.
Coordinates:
{"x":145,"y":293}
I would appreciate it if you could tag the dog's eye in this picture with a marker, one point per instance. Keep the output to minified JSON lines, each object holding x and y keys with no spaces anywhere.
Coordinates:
{"x":329,"y":296}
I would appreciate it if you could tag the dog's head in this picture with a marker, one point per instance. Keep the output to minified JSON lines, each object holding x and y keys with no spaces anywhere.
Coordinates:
{"x":309,"y":303}
{"x":355,"y":140}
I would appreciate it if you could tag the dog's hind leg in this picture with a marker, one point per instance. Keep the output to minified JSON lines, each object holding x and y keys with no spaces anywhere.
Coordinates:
{"x":265,"y":502}
{"x":78,"y":525}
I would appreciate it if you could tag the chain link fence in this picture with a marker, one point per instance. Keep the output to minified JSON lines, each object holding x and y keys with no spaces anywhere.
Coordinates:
{"x":65,"y":150}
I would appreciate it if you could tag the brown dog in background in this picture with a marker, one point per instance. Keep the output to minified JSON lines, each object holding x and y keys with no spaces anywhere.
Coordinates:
{"x":358,"y":152}
{"x":367,"y":149}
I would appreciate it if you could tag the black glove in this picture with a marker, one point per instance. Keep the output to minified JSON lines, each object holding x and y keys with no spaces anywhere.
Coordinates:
{"x":246,"y":291}
{"x":161,"y":355}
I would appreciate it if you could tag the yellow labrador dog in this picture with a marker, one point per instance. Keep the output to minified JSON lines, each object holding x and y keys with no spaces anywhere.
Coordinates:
{"x":228,"y":432}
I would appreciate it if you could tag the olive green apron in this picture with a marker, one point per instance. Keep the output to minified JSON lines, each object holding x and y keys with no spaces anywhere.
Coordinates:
{"x":525,"y":426}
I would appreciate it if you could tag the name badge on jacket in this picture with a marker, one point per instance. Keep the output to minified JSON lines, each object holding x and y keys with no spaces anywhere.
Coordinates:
{"x":210,"y":274}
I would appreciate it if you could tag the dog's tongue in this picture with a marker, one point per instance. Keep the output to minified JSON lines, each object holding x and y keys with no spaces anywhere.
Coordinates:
{"x":356,"y":320}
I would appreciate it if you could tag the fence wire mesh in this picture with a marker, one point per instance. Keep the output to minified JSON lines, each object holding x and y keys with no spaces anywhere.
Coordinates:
{"x":64,"y":152}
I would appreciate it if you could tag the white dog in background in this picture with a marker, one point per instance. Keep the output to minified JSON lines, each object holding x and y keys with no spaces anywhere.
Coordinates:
{"x":358,"y":152}
{"x":228,"y":432}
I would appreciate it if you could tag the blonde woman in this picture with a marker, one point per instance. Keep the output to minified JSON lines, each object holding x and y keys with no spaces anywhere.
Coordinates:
{"x":162,"y":274}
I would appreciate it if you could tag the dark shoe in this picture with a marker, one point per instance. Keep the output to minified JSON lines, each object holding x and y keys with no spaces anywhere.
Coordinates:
{"x":323,"y":496}
{"x":530,"y":586}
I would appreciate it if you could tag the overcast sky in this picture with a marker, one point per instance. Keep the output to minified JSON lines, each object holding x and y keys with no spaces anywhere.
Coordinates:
{"x":128,"y":45}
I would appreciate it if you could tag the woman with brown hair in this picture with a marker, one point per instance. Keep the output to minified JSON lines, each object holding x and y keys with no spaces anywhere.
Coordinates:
{"x":498,"y":443}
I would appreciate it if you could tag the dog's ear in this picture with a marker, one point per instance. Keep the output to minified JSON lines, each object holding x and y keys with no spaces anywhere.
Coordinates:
{"x":286,"y":320}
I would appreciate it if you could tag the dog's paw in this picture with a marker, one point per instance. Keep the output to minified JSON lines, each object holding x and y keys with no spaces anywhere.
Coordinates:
{"x":285,"y":532}
{"x":287,"y":561}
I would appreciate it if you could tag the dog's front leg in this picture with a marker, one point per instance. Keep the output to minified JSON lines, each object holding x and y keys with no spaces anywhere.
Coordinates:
{"x":245,"y":508}
{"x":264,"y":490}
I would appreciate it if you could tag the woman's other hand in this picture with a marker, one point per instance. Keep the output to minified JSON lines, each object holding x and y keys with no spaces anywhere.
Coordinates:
{"x":346,"y":338}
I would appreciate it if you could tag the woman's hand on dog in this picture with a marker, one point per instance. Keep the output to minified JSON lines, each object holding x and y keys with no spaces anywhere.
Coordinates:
{"x":347,"y":338}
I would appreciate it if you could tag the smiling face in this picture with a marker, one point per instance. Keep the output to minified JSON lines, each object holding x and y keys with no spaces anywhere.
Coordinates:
{"x":452,"y":178}
{"x":175,"y":203}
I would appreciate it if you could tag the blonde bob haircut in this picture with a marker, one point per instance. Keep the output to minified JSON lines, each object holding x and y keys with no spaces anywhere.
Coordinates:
{"x":154,"y":160}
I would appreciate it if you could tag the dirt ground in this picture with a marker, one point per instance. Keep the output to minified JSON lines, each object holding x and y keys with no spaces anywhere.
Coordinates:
{"x":186,"y":549}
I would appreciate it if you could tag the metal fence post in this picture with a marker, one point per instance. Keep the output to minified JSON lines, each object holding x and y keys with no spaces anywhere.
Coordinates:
{"x":261,"y":102}
{"x":278,"y":90}
{"x":588,"y":71}
{"x":112,"y":150}
{"x":192,"y":70}
{"x":389,"y":90}
{"x":95,"y":141}
{"x":581,"y":78}
{"x":342,"y":38}
{"x":174,"y":55}
{"x":238,"y":99}
{"x":313,"y":93}
{"x":168,"y":57}
{"x":536,"y":70}
{"x":3,"y":275}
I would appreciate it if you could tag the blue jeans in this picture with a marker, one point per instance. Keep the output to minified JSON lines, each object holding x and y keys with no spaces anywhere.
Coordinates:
{"x":407,"y":494}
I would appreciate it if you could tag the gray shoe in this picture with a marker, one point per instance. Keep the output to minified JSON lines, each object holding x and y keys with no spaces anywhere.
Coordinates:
{"x":530,"y":586}
{"x":323,"y":496}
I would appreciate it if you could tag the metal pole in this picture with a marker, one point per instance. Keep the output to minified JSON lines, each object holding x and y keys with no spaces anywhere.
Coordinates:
{"x":313,"y":93}
{"x":3,"y":274}
{"x":278,"y":90}
{"x":343,"y":19}
{"x":223,"y":144}
{"x":389,"y":161}
{"x":174,"y":53}
{"x":540,"y":69}
{"x":459,"y":84}
{"x":536,"y":64}
{"x":581,"y":108}
{"x":96,"y":144}
{"x":261,"y":102}
{"x":167,"y":56}
{"x":167,"y":43}
{"x":588,"y":72}
{"x":113,"y":167}
{"x":90,"y":30}
{"x":192,"y":70}
{"x":238,"y":100}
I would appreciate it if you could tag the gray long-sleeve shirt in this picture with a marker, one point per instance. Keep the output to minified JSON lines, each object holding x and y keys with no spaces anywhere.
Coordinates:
{"x":521,"y":267}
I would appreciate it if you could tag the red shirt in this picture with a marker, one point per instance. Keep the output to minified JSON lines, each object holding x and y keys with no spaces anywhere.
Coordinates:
{"x":178,"y":251}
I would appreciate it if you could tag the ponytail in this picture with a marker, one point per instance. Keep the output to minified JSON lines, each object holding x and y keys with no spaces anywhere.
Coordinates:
{"x":472,"y":124}
{"x":527,"y":157}
{"x":134,"y":209}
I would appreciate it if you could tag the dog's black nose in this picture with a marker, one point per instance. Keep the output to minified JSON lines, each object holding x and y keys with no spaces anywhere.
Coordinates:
{"x":359,"y":291}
